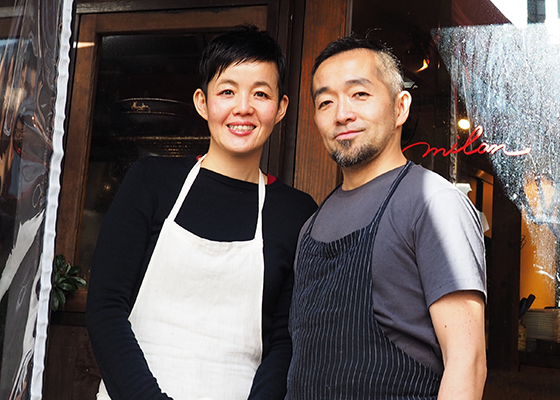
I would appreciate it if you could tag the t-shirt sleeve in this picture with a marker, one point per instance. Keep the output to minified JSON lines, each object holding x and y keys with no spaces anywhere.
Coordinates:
{"x":116,"y":272}
{"x":449,"y":246}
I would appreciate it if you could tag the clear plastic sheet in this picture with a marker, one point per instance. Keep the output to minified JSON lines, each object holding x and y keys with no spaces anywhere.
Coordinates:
{"x":33,"y":81}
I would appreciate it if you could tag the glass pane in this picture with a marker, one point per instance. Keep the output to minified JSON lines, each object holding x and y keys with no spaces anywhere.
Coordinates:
{"x":143,"y":107}
{"x":488,"y":64}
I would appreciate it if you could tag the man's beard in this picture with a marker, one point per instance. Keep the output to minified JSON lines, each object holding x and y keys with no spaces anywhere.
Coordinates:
{"x":347,"y":157}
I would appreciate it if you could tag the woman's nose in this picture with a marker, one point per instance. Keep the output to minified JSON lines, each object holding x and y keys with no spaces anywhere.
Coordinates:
{"x":243,"y":105}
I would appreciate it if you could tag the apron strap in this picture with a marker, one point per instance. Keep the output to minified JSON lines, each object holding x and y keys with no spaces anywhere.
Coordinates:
{"x":185,"y":189}
{"x":375,"y":223}
{"x":262,"y":195}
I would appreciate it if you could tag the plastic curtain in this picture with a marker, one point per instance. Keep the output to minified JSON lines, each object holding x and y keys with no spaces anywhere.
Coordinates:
{"x":33,"y":82}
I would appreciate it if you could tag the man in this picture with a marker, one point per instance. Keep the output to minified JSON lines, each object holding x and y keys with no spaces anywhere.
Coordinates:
{"x":390,"y":280}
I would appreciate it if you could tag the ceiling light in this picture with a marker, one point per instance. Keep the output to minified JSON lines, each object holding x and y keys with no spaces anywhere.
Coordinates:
{"x":464,"y":123}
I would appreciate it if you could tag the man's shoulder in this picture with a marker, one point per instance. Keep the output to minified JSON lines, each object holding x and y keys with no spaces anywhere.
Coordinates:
{"x":422,"y":183}
{"x":425,"y":191}
{"x":420,"y":175}
{"x":430,"y":195}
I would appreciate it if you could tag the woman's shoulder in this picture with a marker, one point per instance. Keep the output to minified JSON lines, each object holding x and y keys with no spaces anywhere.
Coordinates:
{"x":157,"y":165}
{"x":156,"y":177}
{"x":284,"y":198}
{"x":161,"y":171}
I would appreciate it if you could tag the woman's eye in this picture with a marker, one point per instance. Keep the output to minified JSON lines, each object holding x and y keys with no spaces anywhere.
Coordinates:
{"x":262,"y":94}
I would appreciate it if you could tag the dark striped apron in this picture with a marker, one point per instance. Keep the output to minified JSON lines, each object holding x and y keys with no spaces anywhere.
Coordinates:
{"x":340,"y":352}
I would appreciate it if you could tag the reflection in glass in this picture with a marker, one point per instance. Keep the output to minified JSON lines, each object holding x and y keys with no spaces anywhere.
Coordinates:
{"x":143,"y":107}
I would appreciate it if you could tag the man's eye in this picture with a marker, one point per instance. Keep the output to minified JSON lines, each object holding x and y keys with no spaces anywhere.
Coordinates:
{"x":227,"y":92}
{"x":361,"y":94}
{"x":323,"y":104}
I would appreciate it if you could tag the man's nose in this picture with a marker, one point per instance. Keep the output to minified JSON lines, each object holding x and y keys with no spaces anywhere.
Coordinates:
{"x":345,"y":112}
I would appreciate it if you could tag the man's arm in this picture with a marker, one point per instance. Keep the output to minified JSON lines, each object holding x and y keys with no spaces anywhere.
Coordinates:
{"x":458,"y":320}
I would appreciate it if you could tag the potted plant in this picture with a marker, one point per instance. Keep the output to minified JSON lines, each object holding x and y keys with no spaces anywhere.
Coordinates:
{"x":65,"y":281}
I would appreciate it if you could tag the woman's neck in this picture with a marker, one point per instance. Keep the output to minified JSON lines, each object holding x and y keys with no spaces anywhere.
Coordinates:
{"x":244,"y":168}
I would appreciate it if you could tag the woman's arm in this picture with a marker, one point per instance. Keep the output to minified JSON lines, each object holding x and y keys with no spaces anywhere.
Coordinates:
{"x":286,"y":210}
{"x":270,"y":379}
{"x":118,"y":268}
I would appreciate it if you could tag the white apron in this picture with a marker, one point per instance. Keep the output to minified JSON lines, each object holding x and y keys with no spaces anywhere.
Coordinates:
{"x":198,"y":312}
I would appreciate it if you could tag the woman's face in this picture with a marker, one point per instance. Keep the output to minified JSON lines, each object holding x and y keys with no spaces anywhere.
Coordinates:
{"x":242,"y":107}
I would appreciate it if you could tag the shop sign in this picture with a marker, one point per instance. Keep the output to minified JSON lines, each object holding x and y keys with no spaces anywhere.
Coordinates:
{"x":481,"y":149}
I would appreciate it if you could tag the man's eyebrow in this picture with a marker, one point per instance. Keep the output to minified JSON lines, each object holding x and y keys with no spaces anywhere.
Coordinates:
{"x":348,"y":83}
{"x":358,"y":81}
{"x":320,"y":91}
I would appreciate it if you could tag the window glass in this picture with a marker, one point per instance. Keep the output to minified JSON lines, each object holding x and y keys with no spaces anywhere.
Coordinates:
{"x":486,"y":111}
{"x":143,"y":107}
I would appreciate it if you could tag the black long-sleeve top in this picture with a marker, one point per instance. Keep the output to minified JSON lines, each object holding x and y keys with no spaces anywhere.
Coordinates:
{"x":216,"y":208}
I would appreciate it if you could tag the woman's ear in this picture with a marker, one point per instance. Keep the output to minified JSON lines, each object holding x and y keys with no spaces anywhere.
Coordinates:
{"x":282,"y":108}
{"x":199,"y":101}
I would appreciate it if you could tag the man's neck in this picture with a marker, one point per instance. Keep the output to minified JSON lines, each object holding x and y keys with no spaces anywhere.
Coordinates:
{"x":359,"y":175}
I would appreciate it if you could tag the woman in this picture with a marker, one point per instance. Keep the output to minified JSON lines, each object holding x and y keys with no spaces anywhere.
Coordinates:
{"x":192,"y":276}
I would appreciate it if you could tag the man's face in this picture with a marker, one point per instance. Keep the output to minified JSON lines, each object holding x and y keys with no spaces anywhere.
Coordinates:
{"x":354,"y":110}
{"x":242,"y":106}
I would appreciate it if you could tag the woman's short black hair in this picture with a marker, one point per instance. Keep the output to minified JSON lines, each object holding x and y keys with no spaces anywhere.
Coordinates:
{"x":244,"y":43}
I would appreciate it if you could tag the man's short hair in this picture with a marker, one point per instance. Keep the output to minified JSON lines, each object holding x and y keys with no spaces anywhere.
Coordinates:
{"x":389,"y":67}
{"x":245,"y":43}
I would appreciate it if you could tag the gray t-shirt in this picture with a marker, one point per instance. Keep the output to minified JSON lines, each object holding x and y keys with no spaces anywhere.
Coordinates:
{"x":429,"y":243}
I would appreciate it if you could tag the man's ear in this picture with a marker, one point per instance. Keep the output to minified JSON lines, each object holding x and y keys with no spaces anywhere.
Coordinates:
{"x":282,"y":108}
{"x":402,"y":107}
{"x":199,"y":101}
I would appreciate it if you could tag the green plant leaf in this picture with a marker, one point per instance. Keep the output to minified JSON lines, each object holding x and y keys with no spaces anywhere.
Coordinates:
{"x":59,"y":294}
{"x":57,"y":299}
{"x":65,"y":281}
{"x":59,"y":262}
{"x":74,"y":285}
{"x":65,"y":286}
{"x":54,"y":302}
{"x":62,"y":298}
{"x":80,"y":281}
{"x":75,"y":270}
